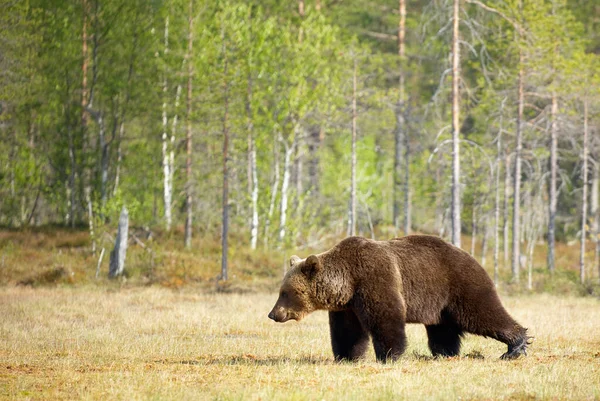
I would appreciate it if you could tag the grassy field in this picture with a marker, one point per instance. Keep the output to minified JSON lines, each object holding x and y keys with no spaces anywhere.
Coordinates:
{"x":109,"y":342}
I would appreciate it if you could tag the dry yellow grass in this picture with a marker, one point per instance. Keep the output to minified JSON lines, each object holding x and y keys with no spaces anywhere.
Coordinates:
{"x":155,"y":343}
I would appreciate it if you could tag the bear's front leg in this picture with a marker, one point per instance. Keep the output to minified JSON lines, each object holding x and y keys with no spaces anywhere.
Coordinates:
{"x":384,"y":317}
{"x":349,"y":339}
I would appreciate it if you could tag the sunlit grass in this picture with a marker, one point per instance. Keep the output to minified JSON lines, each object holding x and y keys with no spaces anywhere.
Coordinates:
{"x":156,"y":343}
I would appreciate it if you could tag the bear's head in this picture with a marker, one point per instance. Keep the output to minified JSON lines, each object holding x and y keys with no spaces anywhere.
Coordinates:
{"x":296,"y":298}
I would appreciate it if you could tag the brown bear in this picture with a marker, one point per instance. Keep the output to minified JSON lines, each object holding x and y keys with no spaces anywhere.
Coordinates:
{"x":373,"y":288}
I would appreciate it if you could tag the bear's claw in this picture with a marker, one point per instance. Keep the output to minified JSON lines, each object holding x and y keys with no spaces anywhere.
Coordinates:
{"x":517,"y":350}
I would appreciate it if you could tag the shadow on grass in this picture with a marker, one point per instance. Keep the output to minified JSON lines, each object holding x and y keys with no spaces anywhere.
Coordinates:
{"x":256,"y":360}
{"x":249,"y":359}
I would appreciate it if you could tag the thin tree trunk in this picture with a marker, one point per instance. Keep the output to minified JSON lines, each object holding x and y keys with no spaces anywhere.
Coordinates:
{"x":473,"y":228}
{"x":104,"y":153}
{"x":584,"y":204}
{"x":167,"y":194}
{"x":119,"y":157}
{"x":274,"y":189}
{"x":71,"y":185}
{"x":400,"y":133}
{"x":439,"y":204}
{"x":254,"y":224}
{"x":594,"y":212}
{"x":456,"y":225}
{"x":497,"y":204}
{"x":516,"y":254}
{"x":85,"y":98}
{"x":505,"y":226}
{"x":484,"y":242}
{"x":403,"y":111}
{"x":225,"y":220}
{"x":352,"y":219}
{"x":531,"y":242}
{"x":553,"y":174}
{"x":188,"y":135}
{"x":289,"y":150}
{"x":117,"y":256}
{"x":171,"y":146}
{"x":252,"y":169}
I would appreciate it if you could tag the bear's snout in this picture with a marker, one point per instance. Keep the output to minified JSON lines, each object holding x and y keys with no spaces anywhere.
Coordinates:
{"x":278,"y":315}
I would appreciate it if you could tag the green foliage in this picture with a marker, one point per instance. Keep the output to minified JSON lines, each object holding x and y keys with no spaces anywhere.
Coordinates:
{"x":287,"y":81}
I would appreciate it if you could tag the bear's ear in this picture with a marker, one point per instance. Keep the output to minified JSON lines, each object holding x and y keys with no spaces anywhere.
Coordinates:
{"x":294,"y":260}
{"x":311,"y":266}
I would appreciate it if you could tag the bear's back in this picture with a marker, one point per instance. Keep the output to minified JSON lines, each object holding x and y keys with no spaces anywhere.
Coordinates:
{"x":434,"y":273}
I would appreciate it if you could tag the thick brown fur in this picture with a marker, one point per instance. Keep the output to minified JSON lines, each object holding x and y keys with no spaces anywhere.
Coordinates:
{"x":373,"y":288}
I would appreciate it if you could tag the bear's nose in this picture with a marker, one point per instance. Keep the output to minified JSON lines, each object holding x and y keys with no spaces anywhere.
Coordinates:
{"x":271,"y":315}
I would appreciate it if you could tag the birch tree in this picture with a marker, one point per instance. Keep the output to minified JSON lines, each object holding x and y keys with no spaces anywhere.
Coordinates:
{"x":352,"y":211}
{"x":188,"y":140}
{"x":455,"y":205}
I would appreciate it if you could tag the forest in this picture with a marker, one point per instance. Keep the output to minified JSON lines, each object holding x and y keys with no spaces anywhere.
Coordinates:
{"x":274,"y":126}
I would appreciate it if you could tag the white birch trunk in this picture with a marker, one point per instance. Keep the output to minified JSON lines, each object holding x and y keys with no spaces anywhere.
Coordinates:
{"x":497,"y":205}
{"x":352,"y":220}
{"x":456,"y":224}
{"x":594,"y":212}
{"x":473,"y":229}
{"x":167,"y":191}
{"x":254,"y":223}
{"x":505,"y":226}
{"x":553,"y":176}
{"x":284,"y":191}
{"x":484,"y":242}
{"x":516,"y":254}
{"x":274,"y":189}
{"x":173,"y":136}
{"x":584,"y":204}
{"x":188,"y":136}
{"x":117,"y":256}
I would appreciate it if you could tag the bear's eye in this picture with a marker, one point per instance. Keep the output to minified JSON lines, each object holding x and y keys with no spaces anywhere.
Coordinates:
{"x":284,"y":294}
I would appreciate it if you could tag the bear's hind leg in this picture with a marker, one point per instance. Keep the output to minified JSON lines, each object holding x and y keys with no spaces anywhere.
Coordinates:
{"x":490,"y":319}
{"x":444,"y":339}
{"x":349,"y":339}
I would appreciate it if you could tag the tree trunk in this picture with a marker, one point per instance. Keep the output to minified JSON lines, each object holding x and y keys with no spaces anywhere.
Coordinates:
{"x":171,"y":147}
{"x":352,"y":220}
{"x":104,"y":154}
{"x":473,"y":228}
{"x":553,"y":174}
{"x":85,"y":98}
{"x":252,"y":169}
{"x":225,"y":220}
{"x":403,"y":111}
{"x":188,"y":136}
{"x":400,"y":134}
{"x":274,"y":188}
{"x":516,"y":254}
{"x":167,"y":192}
{"x":314,"y":144}
{"x":456,"y":225}
{"x":594,"y":212}
{"x":584,"y":204}
{"x":289,"y":150}
{"x":254,"y":223}
{"x":484,"y":242}
{"x":505,"y":227}
{"x":71,"y":185}
{"x":497,"y":204}
{"x":117,"y":256}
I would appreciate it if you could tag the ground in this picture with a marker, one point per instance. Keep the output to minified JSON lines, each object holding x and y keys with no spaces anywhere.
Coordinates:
{"x":98,"y":342}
